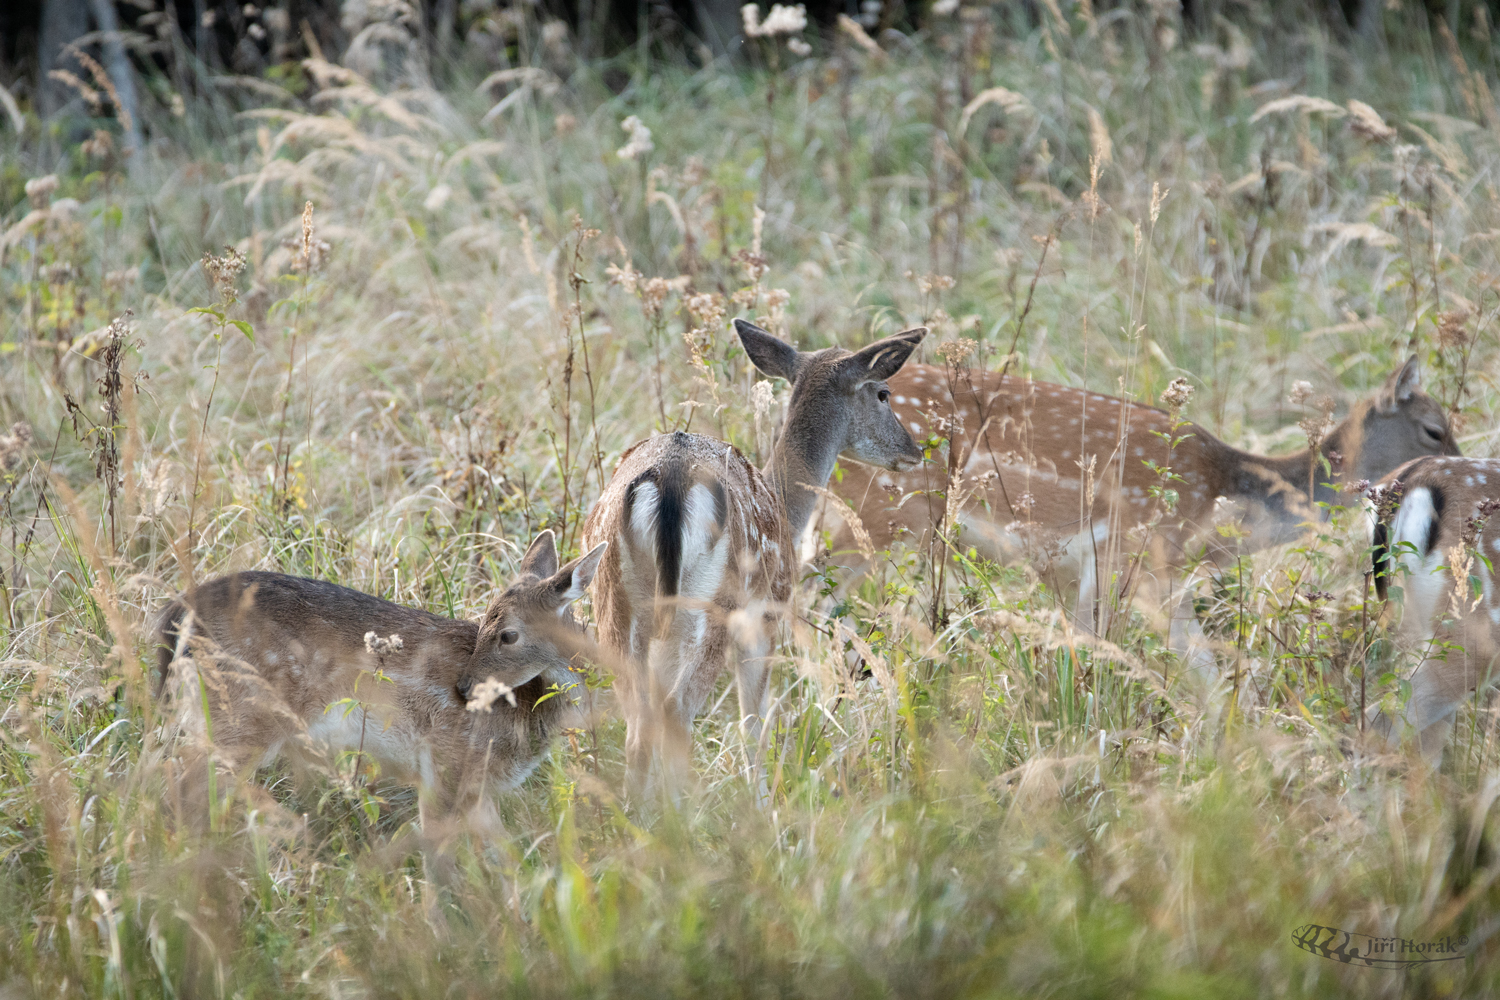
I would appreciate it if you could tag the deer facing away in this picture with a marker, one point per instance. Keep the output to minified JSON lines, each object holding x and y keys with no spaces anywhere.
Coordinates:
{"x":1059,"y":476}
{"x":293,"y":665}
{"x":703,"y":559}
{"x":1428,"y":548}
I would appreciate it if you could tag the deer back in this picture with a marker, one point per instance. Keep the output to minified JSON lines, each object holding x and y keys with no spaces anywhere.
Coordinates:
{"x":693,"y":524}
{"x":1058,"y":460}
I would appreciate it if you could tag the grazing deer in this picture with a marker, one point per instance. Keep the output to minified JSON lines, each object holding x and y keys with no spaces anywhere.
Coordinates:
{"x":1432,"y":537}
{"x":286,"y":664}
{"x":1060,"y":476}
{"x":703,"y":555}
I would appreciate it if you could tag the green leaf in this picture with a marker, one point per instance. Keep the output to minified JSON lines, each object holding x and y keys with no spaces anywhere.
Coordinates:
{"x":208,"y":311}
{"x":245,"y":328}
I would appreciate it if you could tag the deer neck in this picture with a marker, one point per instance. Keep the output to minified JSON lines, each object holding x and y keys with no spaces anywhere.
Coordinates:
{"x":805,"y":453}
{"x":1289,"y":487}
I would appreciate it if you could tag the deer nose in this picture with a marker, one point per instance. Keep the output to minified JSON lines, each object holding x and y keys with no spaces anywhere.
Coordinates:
{"x":463,"y":688}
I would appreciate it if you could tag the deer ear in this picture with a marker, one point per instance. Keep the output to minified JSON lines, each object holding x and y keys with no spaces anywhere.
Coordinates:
{"x":540,"y":559}
{"x":570,"y":582}
{"x":1400,"y":386}
{"x":884,"y":358}
{"x":770,"y":354}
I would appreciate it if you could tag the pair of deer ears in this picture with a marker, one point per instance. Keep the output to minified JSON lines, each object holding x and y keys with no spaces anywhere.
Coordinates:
{"x":775,"y":358}
{"x":1400,"y":386}
{"x":569,"y":582}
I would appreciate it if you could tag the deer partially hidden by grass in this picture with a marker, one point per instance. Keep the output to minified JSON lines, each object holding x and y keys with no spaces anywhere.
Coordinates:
{"x":1077,"y":483}
{"x":1436,"y":542}
{"x":288,"y":665}
{"x":704,"y":557}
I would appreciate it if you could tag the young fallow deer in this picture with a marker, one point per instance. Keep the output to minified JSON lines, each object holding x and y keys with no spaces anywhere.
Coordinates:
{"x":703,"y":555}
{"x":1434,"y":520}
{"x":1059,"y":476}
{"x":290,"y":665}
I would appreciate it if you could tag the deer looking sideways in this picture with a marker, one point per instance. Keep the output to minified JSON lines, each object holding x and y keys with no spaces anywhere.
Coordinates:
{"x":275,"y":656}
{"x":1059,"y":476}
{"x":703,"y":556}
{"x":1441,"y":534}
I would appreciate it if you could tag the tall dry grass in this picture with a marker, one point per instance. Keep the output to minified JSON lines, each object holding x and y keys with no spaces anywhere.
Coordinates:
{"x":443,"y":358}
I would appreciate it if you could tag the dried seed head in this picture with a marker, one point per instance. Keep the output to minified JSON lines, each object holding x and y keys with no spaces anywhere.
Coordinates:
{"x":1386,"y":499}
{"x":1301,"y":390}
{"x":39,"y":190}
{"x":707,"y":310}
{"x":484,"y":695}
{"x":626,"y":277}
{"x":1453,"y":328}
{"x":955,"y":351}
{"x":100,"y":146}
{"x":223,"y":271}
{"x":782,"y":20}
{"x":1365,"y":122}
{"x":381,"y":645}
{"x":639,"y":143}
{"x":1474,"y":526}
{"x":762,"y":394}
{"x":1177,"y":394}
{"x":654,"y":294}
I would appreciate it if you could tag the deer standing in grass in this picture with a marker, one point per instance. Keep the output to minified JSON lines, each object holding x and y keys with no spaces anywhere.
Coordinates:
{"x":1430,"y":547}
{"x":288,"y":665}
{"x":1060,"y":476}
{"x":703,"y":557}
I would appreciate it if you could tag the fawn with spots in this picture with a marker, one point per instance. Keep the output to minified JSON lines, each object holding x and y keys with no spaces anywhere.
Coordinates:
{"x":288,"y":665}
{"x":1060,"y":476}
{"x":703,"y":559}
{"x":1434,"y":536}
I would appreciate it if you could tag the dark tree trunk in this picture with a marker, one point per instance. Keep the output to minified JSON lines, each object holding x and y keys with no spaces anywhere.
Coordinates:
{"x":62,"y":22}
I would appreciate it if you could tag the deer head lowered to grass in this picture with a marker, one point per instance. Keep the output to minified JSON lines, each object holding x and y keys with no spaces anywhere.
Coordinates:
{"x":291,"y":665}
{"x":703,"y":556}
{"x":1060,"y":476}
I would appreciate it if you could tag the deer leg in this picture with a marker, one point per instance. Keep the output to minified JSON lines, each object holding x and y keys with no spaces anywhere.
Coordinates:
{"x":641,"y":728}
{"x":752,"y":671}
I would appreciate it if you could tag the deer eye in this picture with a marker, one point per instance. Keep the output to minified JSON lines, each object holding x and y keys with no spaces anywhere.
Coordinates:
{"x":884,"y":395}
{"x":1435,"y":435}
{"x":510,"y":637}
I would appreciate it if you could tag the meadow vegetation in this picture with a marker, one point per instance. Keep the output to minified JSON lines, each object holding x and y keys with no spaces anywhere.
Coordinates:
{"x":380,"y":321}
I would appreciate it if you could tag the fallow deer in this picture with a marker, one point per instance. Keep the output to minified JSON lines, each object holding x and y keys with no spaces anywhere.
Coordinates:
{"x":1061,"y":476}
{"x":1429,"y":547}
{"x":703,"y":555}
{"x":291,"y":665}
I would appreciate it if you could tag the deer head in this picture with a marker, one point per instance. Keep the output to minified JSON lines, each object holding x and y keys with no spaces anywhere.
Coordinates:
{"x":526,"y":631}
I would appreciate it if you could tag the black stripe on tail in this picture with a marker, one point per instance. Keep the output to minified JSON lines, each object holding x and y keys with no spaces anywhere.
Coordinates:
{"x":1384,"y":539}
{"x":673,"y":478}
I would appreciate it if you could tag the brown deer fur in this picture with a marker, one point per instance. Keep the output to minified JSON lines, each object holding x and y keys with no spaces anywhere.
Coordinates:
{"x":1023,"y":450}
{"x":288,"y":664}
{"x":703,"y":556}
